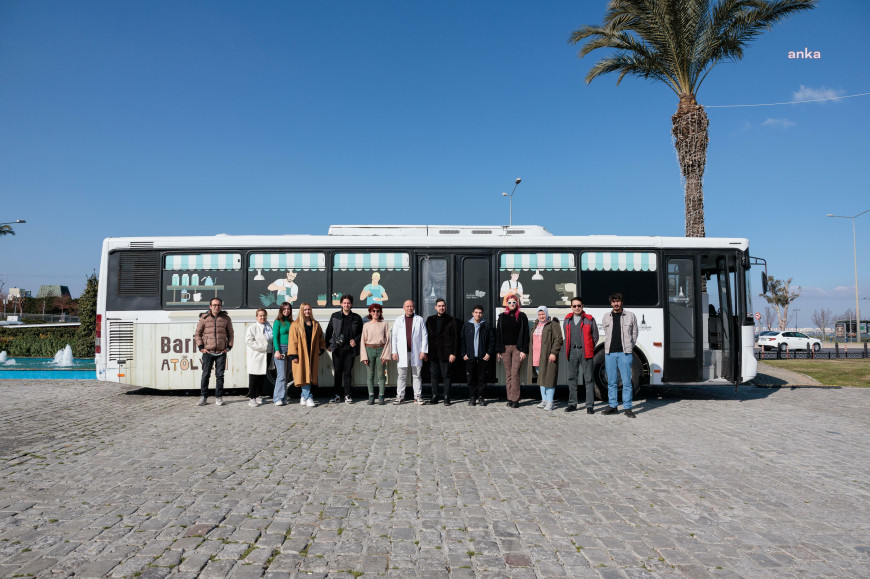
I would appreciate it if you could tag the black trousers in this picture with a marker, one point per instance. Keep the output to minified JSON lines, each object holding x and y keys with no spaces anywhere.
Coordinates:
{"x":475,"y":372}
{"x":219,"y":361}
{"x":439,"y":371}
{"x":342,"y":362}
{"x":255,"y":385}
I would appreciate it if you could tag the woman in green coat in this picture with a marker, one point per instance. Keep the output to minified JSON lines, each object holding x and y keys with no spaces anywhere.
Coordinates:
{"x":544,"y":355}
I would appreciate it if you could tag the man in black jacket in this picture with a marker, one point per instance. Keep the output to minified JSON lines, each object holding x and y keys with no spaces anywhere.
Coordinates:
{"x":343,"y":334}
{"x":443,"y":348}
{"x":476,"y":348}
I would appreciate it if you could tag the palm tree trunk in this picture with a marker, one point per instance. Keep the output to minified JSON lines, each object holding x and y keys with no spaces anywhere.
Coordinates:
{"x":691,"y":137}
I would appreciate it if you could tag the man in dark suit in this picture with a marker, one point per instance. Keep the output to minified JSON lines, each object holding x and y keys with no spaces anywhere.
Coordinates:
{"x":443,"y":348}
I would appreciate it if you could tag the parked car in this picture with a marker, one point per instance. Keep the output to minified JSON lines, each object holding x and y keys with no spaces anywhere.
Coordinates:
{"x":791,"y":340}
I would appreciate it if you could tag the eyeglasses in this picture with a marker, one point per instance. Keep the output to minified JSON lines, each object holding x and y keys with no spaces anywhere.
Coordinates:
{"x":512,"y":303}
{"x":576,"y":305}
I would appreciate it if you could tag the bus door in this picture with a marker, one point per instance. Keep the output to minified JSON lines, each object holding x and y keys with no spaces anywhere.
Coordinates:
{"x":435,"y":281}
{"x":720,"y":274}
{"x":682,"y":346}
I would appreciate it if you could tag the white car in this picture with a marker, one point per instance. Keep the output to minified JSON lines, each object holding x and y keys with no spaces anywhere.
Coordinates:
{"x":791,"y":340}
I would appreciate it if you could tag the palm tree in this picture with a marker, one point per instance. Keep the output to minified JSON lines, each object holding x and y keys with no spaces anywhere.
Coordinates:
{"x":6,"y":230}
{"x":678,"y":42}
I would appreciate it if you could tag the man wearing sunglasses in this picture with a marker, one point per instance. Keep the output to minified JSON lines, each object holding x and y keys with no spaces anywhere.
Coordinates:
{"x":581,"y":335}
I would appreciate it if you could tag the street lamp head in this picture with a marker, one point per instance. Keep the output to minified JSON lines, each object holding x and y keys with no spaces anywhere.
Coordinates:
{"x":504,"y":194}
{"x":518,"y":180}
{"x":829,"y":215}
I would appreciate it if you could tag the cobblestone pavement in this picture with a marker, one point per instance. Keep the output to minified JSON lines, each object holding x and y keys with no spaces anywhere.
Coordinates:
{"x":100,"y":480}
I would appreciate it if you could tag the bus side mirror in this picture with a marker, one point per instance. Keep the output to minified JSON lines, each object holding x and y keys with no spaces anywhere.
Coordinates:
{"x":763,"y":282}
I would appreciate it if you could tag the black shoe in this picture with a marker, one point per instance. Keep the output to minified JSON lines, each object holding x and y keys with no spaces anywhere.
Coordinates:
{"x":516,"y":404}
{"x":433,"y":400}
{"x":609,"y":410}
{"x":630,"y":414}
{"x":590,"y":410}
{"x":571,"y":408}
{"x":371,"y":399}
{"x":381,"y":401}
{"x":481,"y":401}
{"x":510,"y":404}
{"x":472,"y":401}
{"x":447,"y":402}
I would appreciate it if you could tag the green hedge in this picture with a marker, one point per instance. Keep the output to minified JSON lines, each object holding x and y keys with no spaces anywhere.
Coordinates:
{"x":33,"y":342}
{"x":44,"y":342}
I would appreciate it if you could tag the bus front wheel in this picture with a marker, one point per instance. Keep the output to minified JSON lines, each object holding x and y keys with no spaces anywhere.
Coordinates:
{"x":599,"y":375}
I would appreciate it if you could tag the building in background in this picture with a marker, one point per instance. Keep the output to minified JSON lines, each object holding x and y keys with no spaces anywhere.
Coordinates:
{"x":53,"y":291}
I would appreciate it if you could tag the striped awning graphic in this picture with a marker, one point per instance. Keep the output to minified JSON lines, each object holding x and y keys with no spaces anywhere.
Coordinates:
{"x":536,"y":261}
{"x":285,"y":261}
{"x":225,"y":261}
{"x":371,"y":261}
{"x":617,"y":261}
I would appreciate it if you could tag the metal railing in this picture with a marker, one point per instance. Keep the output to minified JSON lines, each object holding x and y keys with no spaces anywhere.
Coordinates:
{"x":856,"y":351}
{"x":44,"y":318}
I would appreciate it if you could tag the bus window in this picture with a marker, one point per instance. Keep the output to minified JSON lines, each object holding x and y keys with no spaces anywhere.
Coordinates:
{"x":539,"y":279}
{"x":191,"y":280}
{"x":275,"y":278}
{"x":372,"y":278}
{"x":633,"y":274}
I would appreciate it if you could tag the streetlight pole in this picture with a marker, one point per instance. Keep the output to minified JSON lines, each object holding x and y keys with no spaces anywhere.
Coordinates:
{"x":511,"y":202}
{"x":855,"y":254}
{"x":796,"y":310}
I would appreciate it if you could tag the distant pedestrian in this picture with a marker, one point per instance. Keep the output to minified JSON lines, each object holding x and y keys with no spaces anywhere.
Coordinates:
{"x":581,"y":335}
{"x":477,"y":346}
{"x":620,"y":337}
{"x":375,"y":351}
{"x":512,"y":345}
{"x":342,"y":339}
{"x":410,"y":343}
{"x":214,"y":338}
{"x":306,"y":346}
{"x":443,"y":347}
{"x":546,"y":343}
{"x":258,"y":339}
{"x":281,"y":343}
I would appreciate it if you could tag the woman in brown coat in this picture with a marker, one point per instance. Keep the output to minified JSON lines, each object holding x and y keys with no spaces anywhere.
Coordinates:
{"x":544,"y":358}
{"x":306,"y":345}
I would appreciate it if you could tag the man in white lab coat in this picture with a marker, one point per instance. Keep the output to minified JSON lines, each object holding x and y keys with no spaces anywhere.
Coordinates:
{"x":410,"y":344}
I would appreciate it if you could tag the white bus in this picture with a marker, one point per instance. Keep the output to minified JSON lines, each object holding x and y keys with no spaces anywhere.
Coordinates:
{"x":691,"y":296}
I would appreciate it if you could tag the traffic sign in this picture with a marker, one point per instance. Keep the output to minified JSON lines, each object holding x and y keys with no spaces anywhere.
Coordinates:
{"x":757,"y":315}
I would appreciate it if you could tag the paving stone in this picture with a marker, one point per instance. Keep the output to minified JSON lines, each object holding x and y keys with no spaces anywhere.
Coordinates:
{"x":762,"y":482}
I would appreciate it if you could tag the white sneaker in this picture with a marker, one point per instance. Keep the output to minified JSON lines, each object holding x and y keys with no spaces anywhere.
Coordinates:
{"x":397,"y":401}
{"x":347,"y":400}
{"x":302,"y":401}
{"x":219,"y":401}
{"x":279,"y":403}
{"x":335,"y":399}
{"x":252,"y":404}
{"x":543,"y":404}
{"x":258,"y":401}
{"x":418,"y":401}
{"x":310,"y":403}
{"x":549,"y":406}
{"x":202,"y":401}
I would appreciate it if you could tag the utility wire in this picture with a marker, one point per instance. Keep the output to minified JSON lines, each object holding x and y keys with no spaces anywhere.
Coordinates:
{"x":848,"y":96}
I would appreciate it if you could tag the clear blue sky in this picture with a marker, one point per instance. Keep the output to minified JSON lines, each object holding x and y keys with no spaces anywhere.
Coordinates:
{"x":192,"y":118}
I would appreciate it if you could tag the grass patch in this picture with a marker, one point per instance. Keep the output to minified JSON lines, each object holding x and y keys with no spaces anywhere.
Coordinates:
{"x":844,"y":372}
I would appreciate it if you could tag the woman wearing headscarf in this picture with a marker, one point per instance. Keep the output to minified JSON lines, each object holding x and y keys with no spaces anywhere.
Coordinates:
{"x":306,"y":345}
{"x":546,"y":343}
{"x":512,"y":346}
{"x":375,"y":351}
{"x":258,"y":339}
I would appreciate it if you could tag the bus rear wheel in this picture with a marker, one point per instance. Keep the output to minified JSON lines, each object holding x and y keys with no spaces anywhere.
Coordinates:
{"x":599,"y":375}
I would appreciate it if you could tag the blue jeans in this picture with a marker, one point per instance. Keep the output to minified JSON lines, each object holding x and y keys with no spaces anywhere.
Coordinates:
{"x":547,"y":393}
{"x":281,"y":378}
{"x":618,"y":361}
{"x":306,"y":392}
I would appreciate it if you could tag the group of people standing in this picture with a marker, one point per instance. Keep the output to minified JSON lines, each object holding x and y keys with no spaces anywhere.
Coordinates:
{"x":295,"y":348}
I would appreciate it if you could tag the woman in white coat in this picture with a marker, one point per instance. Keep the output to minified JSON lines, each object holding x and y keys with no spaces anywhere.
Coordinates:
{"x":409,"y":355}
{"x":258,"y":340}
